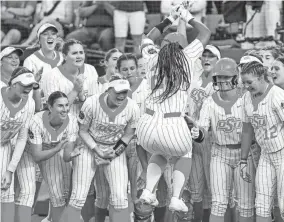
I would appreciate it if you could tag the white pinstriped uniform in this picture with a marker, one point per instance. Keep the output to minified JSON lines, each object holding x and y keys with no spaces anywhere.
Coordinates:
{"x":56,"y":81}
{"x":224,"y":118}
{"x":266,"y":115}
{"x":160,"y":135}
{"x":55,"y":171}
{"x":199,"y":178}
{"x":12,"y":121}
{"x":106,"y":128}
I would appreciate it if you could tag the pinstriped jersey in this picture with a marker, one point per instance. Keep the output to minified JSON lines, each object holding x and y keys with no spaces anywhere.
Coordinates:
{"x":139,"y":94}
{"x":56,"y":81}
{"x":178,"y":101}
{"x":224,"y":118}
{"x":41,"y":132}
{"x":266,"y":114}
{"x":13,"y":119}
{"x":107,"y":126}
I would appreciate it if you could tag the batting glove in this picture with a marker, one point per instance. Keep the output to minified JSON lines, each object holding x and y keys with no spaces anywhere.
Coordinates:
{"x":185,"y":14}
{"x":243,"y":171}
{"x":194,"y":132}
{"x":175,"y":13}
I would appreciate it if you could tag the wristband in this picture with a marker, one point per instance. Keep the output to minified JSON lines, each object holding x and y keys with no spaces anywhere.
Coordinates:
{"x":200,"y":137}
{"x":119,"y":147}
{"x":165,"y":24}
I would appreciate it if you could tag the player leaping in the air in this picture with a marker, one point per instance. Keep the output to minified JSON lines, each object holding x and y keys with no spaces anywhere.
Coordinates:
{"x":162,"y":130}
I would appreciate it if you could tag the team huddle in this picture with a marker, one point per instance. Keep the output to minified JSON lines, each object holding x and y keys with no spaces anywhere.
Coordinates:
{"x":187,"y":134}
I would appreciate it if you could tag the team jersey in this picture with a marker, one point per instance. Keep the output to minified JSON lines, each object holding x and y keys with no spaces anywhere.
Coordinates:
{"x":266,"y":114}
{"x":200,"y":89}
{"x":139,"y":94}
{"x":12,"y":118}
{"x":178,"y":101}
{"x":56,"y":81}
{"x":223,"y":118}
{"x":107,"y":126}
{"x":41,"y":132}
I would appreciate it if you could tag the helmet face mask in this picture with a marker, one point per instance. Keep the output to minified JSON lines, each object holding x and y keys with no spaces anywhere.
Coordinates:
{"x":224,"y":86}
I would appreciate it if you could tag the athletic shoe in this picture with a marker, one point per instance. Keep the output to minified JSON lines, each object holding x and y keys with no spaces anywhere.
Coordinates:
{"x":149,"y":198}
{"x":46,"y":220}
{"x":177,"y":205}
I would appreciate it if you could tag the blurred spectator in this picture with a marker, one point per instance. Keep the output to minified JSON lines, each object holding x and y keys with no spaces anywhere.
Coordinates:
{"x":97,"y":24}
{"x":218,"y":6}
{"x":58,"y":13}
{"x":198,"y":8}
{"x":261,"y":22}
{"x":16,"y":20}
{"x":132,"y":13}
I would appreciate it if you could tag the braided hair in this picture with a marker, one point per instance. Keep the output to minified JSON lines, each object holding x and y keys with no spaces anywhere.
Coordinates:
{"x":172,"y":67}
{"x":256,"y":69}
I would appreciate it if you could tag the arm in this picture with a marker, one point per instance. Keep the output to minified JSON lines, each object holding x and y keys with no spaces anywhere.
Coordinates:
{"x":182,"y":28}
{"x":27,"y":11}
{"x":203,"y":32}
{"x":37,"y":99}
{"x":19,"y":149}
{"x":247,"y":136}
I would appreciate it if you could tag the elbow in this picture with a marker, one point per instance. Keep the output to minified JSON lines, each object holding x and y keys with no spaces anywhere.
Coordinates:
{"x":37,"y":160}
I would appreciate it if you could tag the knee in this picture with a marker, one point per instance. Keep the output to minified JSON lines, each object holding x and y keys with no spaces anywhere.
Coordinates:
{"x":119,"y":200}
{"x":219,"y":207}
{"x":263,"y":205}
{"x":246,"y":212}
{"x":14,"y":33}
{"x":102,"y":201}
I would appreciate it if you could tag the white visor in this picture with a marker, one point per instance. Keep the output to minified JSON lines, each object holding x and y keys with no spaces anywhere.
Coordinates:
{"x":119,"y":85}
{"x":25,"y":79}
{"x":247,"y":59}
{"x":44,"y":27}
{"x":214,"y":50}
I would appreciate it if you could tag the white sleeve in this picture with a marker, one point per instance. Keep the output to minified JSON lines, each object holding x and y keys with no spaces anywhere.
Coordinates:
{"x":204,"y":118}
{"x":278,"y":103}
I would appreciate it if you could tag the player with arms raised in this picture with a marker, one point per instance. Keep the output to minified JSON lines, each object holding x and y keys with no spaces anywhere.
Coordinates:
{"x":169,"y":74}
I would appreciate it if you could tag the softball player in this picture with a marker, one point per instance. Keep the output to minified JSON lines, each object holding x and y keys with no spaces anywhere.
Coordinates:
{"x":50,"y":131}
{"x":277,"y":70}
{"x":78,"y":81}
{"x":222,"y":112}
{"x":201,"y":88}
{"x":107,"y":124}
{"x":17,"y":108}
{"x":157,"y":129}
{"x":263,"y":115}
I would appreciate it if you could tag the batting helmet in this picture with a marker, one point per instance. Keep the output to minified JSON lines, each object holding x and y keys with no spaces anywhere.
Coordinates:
{"x":225,"y":67}
{"x":175,"y":37}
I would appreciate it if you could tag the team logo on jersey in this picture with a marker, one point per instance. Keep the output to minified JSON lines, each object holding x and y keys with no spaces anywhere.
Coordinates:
{"x":258,"y":121}
{"x":31,"y":135}
{"x":198,"y":95}
{"x":229,"y":124}
{"x":81,"y":115}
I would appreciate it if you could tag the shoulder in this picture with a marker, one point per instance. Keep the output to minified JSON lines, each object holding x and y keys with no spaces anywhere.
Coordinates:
{"x":37,"y":118}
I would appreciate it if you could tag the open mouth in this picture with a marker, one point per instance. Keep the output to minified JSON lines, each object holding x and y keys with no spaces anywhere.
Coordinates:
{"x":63,"y":114}
{"x":50,"y":41}
{"x":120,"y":100}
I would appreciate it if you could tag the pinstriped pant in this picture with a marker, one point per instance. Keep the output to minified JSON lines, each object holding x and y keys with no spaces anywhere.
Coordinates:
{"x":225,"y":172}
{"x":26,"y":172}
{"x":269,"y":176}
{"x":56,"y":173}
{"x":7,"y":196}
{"x":83,"y":173}
{"x":164,"y":136}
{"x":111,"y":181}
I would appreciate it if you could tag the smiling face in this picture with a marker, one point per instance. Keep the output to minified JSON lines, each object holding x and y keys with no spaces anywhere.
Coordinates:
{"x":277,"y":73}
{"x":141,"y":67}
{"x":208,"y":61}
{"x":116,"y":98}
{"x":60,"y":108}
{"x":10,"y":62}
{"x":48,"y":38}
{"x":253,"y":83}
{"x":128,"y":69}
{"x":267,"y":58}
{"x":75,"y":56}
{"x":112,"y":61}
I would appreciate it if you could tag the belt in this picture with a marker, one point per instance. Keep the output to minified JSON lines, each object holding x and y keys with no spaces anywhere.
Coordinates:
{"x":166,"y":115}
{"x":231,"y":146}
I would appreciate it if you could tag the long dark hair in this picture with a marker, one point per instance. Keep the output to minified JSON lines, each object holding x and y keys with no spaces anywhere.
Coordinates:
{"x":125,"y":57}
{"x":54,"y":96}
{"x":173,"y":66}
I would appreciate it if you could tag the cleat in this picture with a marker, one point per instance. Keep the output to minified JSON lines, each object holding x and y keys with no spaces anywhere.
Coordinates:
{"x":149,"y":198}
{"x":177,"y":205}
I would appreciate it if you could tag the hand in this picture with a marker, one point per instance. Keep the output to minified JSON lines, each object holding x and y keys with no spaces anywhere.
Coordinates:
{"x":78,"y":83}
{"x":38,"y":74}
{"x":185,"y":14}
{"x":76,"y":152}
{"x":101,"y":161}
{"x":190,"y":122}
{"x":175,"y":13}
{"x":194,"y":132}
{"x":109,"y":154}
{"x":188,"y":4}
{"x":61,"y":144}
{"x":244,"y":171}
{"x":6,"y":15}
{"x":6,"y":180}
{"x":142,"y":177}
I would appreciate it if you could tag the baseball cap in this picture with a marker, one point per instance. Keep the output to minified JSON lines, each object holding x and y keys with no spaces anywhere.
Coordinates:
{"x":8,"y":50}
{"x":213,"y":50}
{"x":44,"y":27}
{"x":22,"y":75}
{"x":119,"y":85}
{"x":249,"y":58}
